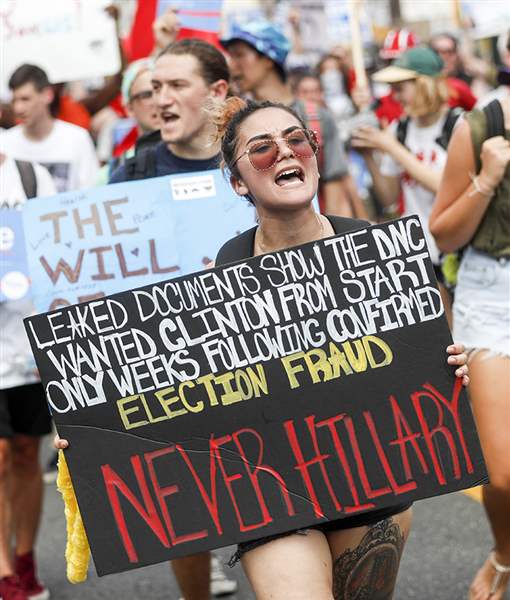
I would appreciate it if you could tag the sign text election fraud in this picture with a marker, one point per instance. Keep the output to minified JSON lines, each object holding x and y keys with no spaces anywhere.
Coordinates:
{"x":301,"y":385}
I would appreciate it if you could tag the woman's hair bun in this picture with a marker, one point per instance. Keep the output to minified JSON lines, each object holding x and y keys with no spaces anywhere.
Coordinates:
{"x":223,"y":113}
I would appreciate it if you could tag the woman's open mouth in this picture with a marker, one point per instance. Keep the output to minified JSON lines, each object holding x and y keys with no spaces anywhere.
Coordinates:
{"x":290,"y":177}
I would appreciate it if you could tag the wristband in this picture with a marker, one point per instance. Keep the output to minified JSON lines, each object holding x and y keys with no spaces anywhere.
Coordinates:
{"x":479,"y":188}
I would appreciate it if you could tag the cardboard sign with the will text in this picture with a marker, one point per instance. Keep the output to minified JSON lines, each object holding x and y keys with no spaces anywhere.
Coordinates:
{"x":86,"y":244}
{"x":300,"y":386}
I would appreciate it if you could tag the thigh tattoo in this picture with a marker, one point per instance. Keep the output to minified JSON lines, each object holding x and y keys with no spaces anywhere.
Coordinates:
{"x":369,"y":572}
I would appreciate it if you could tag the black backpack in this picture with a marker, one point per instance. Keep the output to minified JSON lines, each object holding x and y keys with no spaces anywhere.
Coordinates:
{"x":143,"y":164}
{"x":495,"y":119}
{"x":241,"y":247}
{"x":446,"y":133}
{"x":493,"y":113}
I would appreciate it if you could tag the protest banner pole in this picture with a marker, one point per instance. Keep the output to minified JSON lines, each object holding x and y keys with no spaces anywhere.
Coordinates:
{"x":356,"y":43}
{"x":456,"y":13}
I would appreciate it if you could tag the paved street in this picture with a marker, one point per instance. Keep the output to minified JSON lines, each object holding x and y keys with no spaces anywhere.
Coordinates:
{"x":449,"y":540}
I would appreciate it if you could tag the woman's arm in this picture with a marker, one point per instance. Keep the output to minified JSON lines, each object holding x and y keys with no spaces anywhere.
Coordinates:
{"x":387,"y":188}
{"x":385,"y":141}
{"x":336,"y":200}
{"x":426,"y":176}
{"x":358,"y":210}
{"x":460,"y":204}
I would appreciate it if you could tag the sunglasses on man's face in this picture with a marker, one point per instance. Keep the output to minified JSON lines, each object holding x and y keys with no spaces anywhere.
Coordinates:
{"x":264,"y":154}
{"x":142,"y":96}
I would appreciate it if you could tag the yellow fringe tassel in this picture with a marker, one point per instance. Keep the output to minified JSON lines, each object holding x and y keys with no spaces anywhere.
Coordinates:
{"x":77,"y":548}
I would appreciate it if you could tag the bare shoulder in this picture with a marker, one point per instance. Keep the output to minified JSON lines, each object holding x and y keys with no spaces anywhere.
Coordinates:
{"x":461,"y":145}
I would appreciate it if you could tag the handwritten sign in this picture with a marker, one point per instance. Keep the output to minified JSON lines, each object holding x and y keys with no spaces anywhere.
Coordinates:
{"x":488,"y":19}
{"x":53,"y":34}
{"x":197,"y":18}
{"x":195,"y":15}
{"x":87,"y":244}
{"x":235,"y":14}
{"x":263,"y":396}
{"x":323,"y":23}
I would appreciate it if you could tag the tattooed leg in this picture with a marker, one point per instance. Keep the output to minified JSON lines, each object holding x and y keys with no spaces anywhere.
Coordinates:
{"x":369,"y":571}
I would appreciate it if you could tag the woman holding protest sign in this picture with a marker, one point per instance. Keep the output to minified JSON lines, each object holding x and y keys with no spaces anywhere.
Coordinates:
{"x":271,"y":158}
{"x":472,"y":212}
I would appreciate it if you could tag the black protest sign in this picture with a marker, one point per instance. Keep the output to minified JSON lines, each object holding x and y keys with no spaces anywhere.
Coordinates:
{"x":305,"y":385}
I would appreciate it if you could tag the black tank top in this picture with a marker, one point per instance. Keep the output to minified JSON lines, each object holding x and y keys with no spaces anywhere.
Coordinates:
{"x":241,"y":247}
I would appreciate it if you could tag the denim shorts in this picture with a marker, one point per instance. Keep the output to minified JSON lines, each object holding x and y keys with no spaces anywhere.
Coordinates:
{"x":481,"y":310}
{"x":365,"y":519}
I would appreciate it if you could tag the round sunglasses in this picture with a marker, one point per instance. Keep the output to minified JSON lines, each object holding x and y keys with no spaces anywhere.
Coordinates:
{"x":264,"y":154}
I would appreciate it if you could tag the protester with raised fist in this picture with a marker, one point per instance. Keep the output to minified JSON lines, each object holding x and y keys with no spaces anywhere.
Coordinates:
{"x":270,"y":156}
{"x":472,"y":211}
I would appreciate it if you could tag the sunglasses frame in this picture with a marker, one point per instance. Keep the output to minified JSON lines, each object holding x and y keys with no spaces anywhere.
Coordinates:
{"x":142,"y":96}
{"x":310,"y":134}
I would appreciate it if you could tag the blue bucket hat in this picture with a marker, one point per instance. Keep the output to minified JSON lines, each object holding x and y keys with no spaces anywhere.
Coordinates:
{"x":265,"y":37}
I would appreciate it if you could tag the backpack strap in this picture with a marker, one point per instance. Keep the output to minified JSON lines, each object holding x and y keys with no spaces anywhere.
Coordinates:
{"x":451,"y":118}
{"x":446,"y":133}
{"x":402,"y":127}
{"x":141,"y":166}
{"x":113,"y":164}
{"x":241,"y":247}
{"x":495,"y":119}
{"x":148,"y":140}
{"x":28,"y":179}
{"x":484,"y":124}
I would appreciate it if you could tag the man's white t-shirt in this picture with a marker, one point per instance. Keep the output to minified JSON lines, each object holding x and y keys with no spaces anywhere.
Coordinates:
{"x":421,"y":141}
{"x":67,"y":152}
{"x":12,"y":194}
{"x":16,"y":363}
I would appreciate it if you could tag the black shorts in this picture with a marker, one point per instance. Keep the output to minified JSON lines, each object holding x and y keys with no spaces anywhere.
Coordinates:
{"x":362,"y":520}
{"x":23,"y":410}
